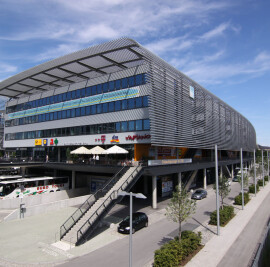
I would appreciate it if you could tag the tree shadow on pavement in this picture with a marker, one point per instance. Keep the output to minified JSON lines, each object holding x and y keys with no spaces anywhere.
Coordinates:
{"x":203,"y":225}
{"x":164,"y":240}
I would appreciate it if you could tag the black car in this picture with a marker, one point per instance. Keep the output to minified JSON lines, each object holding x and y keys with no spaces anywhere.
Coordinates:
{"x":199,"y":194}
{"x":139,"y":220}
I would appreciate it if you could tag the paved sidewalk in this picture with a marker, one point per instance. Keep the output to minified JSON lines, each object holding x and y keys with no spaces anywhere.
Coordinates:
{"x":216,"y":248}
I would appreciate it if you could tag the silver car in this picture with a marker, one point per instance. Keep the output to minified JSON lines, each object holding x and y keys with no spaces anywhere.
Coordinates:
{"x":199,"y":194}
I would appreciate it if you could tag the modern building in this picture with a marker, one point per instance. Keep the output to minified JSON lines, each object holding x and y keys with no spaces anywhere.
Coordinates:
{"x":121,"y":93}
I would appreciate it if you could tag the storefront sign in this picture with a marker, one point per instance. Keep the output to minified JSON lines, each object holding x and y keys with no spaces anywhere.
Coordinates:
{"x":115,"y":139}
{"x":102,"y":139}
{"x":45,"y":142}
{"x":138,"y":137}
{"x":38,"y":142}
{"x":168,"y":161}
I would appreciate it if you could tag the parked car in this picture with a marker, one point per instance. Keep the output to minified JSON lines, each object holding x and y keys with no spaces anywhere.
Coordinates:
{"x":199,"y":194}
{"x":235,"y":179}
{"x":139,"y":220}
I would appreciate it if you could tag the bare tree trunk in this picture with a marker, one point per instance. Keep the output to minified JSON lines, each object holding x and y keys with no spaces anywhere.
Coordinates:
{"x":179,"y":231}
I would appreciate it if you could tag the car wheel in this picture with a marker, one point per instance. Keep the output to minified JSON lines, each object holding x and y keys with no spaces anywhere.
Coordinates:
{"x":133,"y":231}
{"x":146,"y":224}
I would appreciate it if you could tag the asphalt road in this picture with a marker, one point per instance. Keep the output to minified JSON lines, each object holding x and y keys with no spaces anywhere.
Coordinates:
{"x":147,"y":240}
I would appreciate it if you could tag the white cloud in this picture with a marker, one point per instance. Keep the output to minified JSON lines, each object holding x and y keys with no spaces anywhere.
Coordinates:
{"x":219,"y":30}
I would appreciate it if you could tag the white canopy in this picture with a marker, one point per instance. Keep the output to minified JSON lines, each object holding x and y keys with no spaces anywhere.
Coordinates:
{"x":80,"y":150}
{"x":115,"y":150}
{"x":96,"y":150}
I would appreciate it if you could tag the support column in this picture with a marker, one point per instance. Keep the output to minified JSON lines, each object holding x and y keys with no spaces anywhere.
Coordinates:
{"x":179,"y":179}
{"x":59,"y":154}
{"x":221,"y":172}
{"x":232,"y":171}
{"x":154,"y":192}
{"x":73,"y":179}
{"x":204,"y":179}
{"x":23,"y":171}
{"x":145,"y":185}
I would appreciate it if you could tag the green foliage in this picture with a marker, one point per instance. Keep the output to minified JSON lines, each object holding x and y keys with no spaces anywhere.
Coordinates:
{"x":251,"y":188}
{"x":266,"y":178}
{"x":238,"y":199}
{"x":225,"y":215}
{"x":260,"y":182}
{"x":223,"y":188}
{"x":174,"y":252}
{"x":180,"y":207}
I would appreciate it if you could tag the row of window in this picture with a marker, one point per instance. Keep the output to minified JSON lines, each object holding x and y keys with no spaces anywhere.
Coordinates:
{"x":132,"y":103}
{"x":105,"y":128}
{"x":80,"y":93}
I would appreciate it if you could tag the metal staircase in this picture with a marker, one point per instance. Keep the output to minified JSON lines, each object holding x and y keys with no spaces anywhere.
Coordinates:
{"x":82,"y":223}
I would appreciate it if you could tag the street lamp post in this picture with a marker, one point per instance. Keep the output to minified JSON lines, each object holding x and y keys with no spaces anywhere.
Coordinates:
{"x":137,"y":195}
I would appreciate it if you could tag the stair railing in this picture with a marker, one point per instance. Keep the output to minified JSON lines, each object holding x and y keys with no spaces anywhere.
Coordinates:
{"x":114,"y":194}
{"x":74,"y":218}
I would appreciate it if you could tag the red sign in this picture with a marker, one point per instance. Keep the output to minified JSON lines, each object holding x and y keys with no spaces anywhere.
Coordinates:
{"x":138,"y":137}
{"x":102,"y":139}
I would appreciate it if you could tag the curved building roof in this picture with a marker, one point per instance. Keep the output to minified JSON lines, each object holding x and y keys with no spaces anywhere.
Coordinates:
{"x":75,"y":67}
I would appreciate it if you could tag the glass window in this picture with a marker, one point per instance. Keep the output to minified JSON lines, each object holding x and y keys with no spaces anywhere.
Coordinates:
{"x":55,"y":115}
{"x":118,"y":84}
{"x":105,"y":107}
{"x":124,"y":104}
{"x":64,"y":97}
{"x":124,"y":83}
{"x":94,"y":90}
{"x":59,"y":115}
{"x":131,"y":125}
{"x":78,"y":112}
{"x":111,"y":106}
{"x":146,"y":124}
{"x":47,"y":117}
{"x":131,"y":103}
{"x":73,"y":95}
{"x":138,"y":79}
{"x":83,"y":92}
{"x":59,"y":131}
{"x":64,"y":114}
{"x":68,"y":96}
{"x":117,"y":105}
{"x":93,"y":129}
{"x":93,"y":109}
{"x":110,"y":128}
{"x":72,"y":130}
{"x":47,"y":100}
{"x":138,"y":125}
{"x":145,"y":101}
{"x":124,"y":126}
{"x":88,"y":91}
{"x":40,"y":102}
{"x":88,"y":110}
{"x":99,"y":89}
{"x":44,"y":101}
{"x":51,"y":116}
{"x":131,"y":81}
{"x":99,"y":108}
{"x":67,"y":132}
{"x":68,"y":113}
{"x":55,"y":99}
{"x":117,"y":126}
{"x":72,"y":113}
{"x":82,"y":111}
{"x":105,"y":87}
{"x":138,"y":102}
{"x":78,"y":93}
{"x":99,"y":129}
{"x":111,"y":86}
{"x":60,"y":98}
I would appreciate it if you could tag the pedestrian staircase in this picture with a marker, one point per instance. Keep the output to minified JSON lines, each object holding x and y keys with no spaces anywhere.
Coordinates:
{"x":82,"y":223}
{"x":190,"y":178}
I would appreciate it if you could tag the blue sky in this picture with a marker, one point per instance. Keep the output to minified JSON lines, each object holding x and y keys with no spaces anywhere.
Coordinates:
{"x":223,"y":45}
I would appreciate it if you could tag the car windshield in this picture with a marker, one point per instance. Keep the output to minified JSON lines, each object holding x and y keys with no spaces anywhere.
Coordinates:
{"x":199,"y":191}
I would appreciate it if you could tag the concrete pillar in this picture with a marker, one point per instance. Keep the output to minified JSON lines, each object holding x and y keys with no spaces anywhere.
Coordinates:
{"x":59,"y":154}
{"x":23,"y":171}
{"x":154,"y":192}
{"x":221,"y":172}
{"x":73,"y":179}
{"x":179,"y":179}
{"x":232,"y":171}
{"x":145,"y":185}
{"x":204,"y":179}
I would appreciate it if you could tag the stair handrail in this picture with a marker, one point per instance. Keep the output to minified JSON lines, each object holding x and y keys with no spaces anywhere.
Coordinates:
{"x":102,"y":204}
{"x":88,"y":203}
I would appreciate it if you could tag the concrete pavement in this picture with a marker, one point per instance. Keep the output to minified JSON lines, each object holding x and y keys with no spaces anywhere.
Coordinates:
{"x":33,"y":240}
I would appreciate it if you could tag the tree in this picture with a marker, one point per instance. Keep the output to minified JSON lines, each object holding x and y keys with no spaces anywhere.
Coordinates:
{"x":223,"y":188}
{"x":180,"y":207}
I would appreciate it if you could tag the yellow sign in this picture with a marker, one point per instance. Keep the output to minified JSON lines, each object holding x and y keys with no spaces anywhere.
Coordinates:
{"x":38,"y":142}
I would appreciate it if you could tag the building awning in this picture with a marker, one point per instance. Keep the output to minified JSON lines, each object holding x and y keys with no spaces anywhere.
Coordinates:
{"x":75,"y":67}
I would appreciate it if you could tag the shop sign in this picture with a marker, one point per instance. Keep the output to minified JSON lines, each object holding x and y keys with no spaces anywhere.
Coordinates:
{"x":102,"y":139}
{"x":138,"y":137}
{"x":38,"y":142}
{"x":45,"y":142}
{"x":115,"y":139}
